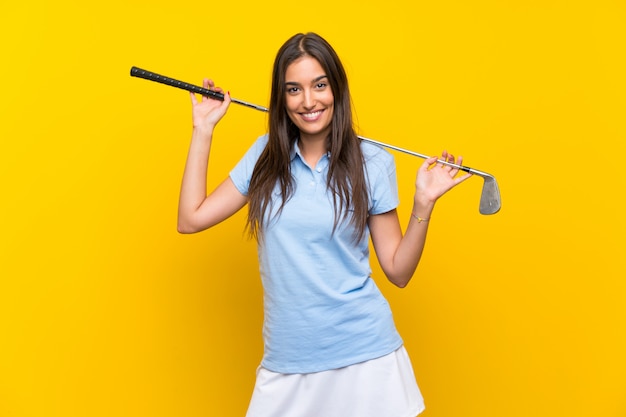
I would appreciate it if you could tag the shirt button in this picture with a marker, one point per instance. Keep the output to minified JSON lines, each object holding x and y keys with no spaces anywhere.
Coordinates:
{"x":319,"y":169}
{"x":312,"y":183}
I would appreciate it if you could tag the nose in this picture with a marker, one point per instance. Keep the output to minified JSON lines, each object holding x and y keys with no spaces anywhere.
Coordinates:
{"x":308,"y":100}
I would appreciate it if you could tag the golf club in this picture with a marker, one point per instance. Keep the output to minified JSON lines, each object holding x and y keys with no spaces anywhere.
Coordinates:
{"x":490,"y":201}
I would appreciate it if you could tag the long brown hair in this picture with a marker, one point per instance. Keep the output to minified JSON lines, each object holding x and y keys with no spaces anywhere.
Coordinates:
{"x":346,"y":176}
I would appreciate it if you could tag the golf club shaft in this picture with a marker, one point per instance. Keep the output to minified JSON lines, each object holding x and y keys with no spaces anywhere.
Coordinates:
{"x":419,"y":155}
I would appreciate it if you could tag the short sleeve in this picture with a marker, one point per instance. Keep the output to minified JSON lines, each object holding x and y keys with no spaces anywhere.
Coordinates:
{"x":242,"y":172}
{"x":382,"y":181}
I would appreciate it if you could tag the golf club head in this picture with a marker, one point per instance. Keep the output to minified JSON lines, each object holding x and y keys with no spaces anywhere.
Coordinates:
{"x":490,"y":197}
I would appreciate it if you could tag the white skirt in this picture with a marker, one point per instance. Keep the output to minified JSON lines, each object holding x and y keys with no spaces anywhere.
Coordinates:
{"x":382,"y":387}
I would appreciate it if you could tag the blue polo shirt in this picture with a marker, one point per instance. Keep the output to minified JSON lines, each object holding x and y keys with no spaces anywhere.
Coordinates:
{"x":322,"y":309}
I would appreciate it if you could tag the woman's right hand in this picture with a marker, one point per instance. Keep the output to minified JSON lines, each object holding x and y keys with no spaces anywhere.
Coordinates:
{"x":208,"y":112}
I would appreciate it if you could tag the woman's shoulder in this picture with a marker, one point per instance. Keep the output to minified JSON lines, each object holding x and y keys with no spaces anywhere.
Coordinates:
{"x":261,"y":141}
{"x":376,"y":154}
{"x":254,"y":151}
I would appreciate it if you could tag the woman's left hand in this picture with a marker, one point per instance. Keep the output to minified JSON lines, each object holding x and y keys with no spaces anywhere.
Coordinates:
{"x":435,"y":179}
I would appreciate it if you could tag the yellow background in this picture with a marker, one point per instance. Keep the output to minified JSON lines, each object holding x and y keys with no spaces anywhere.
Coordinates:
{"x":106,"y":311}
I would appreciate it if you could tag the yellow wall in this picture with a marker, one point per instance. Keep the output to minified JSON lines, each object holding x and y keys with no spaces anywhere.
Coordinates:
{"x":106,"y":311}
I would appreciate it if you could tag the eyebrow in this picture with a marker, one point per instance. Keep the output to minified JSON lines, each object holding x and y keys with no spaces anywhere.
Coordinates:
{"x":321,"y":77}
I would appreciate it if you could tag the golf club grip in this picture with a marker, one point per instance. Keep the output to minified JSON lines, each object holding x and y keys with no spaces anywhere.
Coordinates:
{"x":148,"y":75}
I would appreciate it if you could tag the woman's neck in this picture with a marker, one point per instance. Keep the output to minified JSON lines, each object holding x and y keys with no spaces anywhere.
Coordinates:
{"x":312,"y":148}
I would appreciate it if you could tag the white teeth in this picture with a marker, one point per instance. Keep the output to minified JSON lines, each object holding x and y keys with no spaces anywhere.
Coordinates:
{"x":311,"y":115}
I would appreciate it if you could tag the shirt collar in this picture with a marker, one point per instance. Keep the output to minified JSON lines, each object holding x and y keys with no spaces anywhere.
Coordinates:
{"x":296,"y":151}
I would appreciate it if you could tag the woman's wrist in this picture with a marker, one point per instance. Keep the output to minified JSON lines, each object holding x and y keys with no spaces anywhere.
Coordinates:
{"x":201,"y":130}
{"x":423,"y":207}
{"x":422,"y":210}
{"x":419,"y":218}
{"x":202,"y":135}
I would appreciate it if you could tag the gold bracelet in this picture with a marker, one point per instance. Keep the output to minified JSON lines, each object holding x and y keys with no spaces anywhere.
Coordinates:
{"x":419,"y":219}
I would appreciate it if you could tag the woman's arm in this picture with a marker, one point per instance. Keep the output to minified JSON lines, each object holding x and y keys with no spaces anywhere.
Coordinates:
{"x":196,"y":210}
{"x":400,"y":254}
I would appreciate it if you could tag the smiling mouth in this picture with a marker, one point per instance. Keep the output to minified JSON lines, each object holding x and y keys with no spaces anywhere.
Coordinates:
{"x":311,"y":116}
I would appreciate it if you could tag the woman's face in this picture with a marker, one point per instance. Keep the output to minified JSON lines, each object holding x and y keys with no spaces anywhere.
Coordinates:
{"x":309,"y":99}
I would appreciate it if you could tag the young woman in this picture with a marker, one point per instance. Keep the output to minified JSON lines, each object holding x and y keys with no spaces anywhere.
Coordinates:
{"x":315,"y":196}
